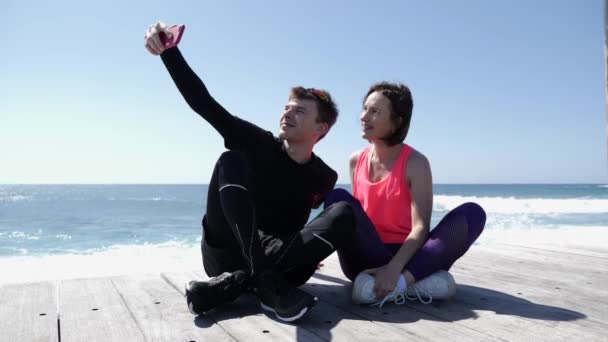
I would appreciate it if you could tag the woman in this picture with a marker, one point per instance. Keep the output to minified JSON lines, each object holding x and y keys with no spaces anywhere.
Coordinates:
{"x":393,"y":201}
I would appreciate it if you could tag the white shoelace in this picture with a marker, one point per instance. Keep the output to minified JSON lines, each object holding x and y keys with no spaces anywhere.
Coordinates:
{"x":399,"y":299}
{"x":419,"y":297}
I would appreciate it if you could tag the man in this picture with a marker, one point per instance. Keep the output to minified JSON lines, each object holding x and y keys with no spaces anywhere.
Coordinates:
{"x":255,"y":234}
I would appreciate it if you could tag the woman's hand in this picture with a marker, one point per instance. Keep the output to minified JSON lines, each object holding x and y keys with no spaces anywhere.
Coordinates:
{"x":152,"y":39}
{"x":386,"y":280}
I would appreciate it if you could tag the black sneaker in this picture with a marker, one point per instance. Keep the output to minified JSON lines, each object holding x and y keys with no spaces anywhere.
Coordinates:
{"x":202,"y":296}
{"x":287,"y":302}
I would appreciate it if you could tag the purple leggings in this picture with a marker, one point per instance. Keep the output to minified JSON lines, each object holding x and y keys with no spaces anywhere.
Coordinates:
{"x":450,"y":239}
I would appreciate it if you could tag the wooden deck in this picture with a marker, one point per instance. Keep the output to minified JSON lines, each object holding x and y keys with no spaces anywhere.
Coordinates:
{"x":505,"y":293}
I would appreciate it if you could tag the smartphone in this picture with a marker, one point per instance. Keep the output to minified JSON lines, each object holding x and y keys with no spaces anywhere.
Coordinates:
{"x":177,"y":31}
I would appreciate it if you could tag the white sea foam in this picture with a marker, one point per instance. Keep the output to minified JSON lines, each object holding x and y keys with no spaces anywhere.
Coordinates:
{"x":117,"y":260}
{"x":179,"y":256}
{"x":14,"y":198}
{"x":572,"y":236}
{"x":157,"y":199}
{"x":18,"y":235}
{"x":147,"y":199}
{"x":510,"y":205}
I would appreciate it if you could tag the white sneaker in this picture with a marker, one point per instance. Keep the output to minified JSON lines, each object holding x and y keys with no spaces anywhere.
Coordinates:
{"x":363,"y":291}
{"x":439,"y":285}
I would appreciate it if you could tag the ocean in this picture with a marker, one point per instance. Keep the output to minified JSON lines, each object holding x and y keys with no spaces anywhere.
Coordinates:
{"x":73,"y":231}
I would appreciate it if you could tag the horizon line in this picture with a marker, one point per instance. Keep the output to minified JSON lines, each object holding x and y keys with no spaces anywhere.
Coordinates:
{"x":188,"y":183}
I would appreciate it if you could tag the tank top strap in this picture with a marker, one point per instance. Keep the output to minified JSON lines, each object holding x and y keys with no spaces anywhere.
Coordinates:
{"x":401,"y":164}
{"x":361,"y":169}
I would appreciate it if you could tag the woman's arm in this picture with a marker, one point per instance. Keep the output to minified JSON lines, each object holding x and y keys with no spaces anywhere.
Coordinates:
{"x":420,"y":182}
{"x":418,"y":174}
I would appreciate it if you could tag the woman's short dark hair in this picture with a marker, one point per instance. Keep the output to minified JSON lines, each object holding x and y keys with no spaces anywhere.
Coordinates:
{"x":402,"y":105}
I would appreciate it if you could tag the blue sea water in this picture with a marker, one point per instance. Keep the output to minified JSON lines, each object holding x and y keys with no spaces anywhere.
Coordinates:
{"x":45,"y":221}
{"x":50,"y":219}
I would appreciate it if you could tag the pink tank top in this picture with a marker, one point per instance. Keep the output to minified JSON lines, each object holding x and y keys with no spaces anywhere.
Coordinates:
{"x":387,"y":202}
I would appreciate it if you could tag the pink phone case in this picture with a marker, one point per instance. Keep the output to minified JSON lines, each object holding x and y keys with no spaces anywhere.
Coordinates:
{"x":177,"y":31}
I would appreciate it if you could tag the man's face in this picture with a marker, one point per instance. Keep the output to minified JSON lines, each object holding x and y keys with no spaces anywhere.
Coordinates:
{"x":299,"y":121}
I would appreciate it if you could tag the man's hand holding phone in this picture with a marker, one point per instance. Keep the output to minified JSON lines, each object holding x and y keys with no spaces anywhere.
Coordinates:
{"x":160,"y":37}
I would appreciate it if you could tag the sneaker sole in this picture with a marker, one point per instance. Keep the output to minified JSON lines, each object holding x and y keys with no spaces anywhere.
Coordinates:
{"x":444,"y":295}
{"x":190,"y":305}
{"x":356,"y":294}
{"x":285,"y":319}
{"x":191,"y":309}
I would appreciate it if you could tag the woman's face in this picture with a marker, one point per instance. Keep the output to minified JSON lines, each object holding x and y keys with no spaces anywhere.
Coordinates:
{"x":376,"y":122}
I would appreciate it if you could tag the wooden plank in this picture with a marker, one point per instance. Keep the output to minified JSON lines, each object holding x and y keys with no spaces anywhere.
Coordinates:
{"x":546,"y":256}
{"x":464,"y":313}
{"x":331,"y":323}
{"x":28,"y":312}
{"x":500,"y":320}
{"x":335,"y":324}
{"x":92,"y":310}
{"x":595,"y":281}
{"x":330,"y":285}
{"x":510,"y":293}
{"x":524,"y":281}
{"x":560,"y":318}
{"x":532,"y":268}
{"x":161,"y":312}
{"x":243,"y":319}
{"x":570,"y":248}
{"x":589,"y":299}
{"x":590,"y":251}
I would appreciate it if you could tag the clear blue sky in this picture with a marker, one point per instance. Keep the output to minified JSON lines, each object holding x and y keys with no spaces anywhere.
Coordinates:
{"x":504,"y":91}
